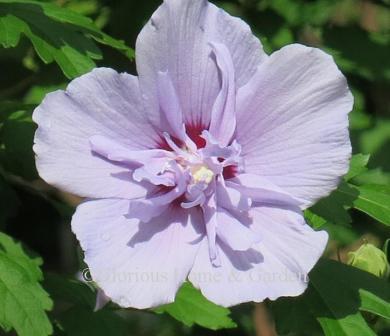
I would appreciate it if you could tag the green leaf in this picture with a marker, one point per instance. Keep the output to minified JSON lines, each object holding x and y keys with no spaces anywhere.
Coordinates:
{"x":191,"y":307}
{"x":333,"y":208}
{"x":357,"y":166}
{"x":386,"y":248}
{"x":313,"y":219}
{"x":373,"y":176}
{"x":349,"y":325}
{"x":23,"y":301}
{"x":9,"y":31}
{"x":335,"y":298}
{"x":372,"y":199}
{"x":342,"y":234}
{"x":373,"y":304}
{"x":57,"y":34}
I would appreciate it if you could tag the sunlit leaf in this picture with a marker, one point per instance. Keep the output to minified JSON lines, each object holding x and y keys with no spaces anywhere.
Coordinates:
{"x":372,"y":199}
{"x":57,"y":34}
{"x":23,"y":301}
{"x":357,"y":166}
{"x":373,"y":304}
{"x":191,"y":307}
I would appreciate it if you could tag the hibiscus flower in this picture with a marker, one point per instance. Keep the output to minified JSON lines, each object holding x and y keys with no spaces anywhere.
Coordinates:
{"x":199,"y":168}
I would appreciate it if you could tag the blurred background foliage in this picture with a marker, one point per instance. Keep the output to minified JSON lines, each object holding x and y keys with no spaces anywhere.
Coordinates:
{"x":46,"y":43}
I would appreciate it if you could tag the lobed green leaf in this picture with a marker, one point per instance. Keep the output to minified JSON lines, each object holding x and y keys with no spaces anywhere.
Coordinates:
{"x":372,"y":199}
{"x":191,"y":307}
{"x":23,"y":301}
{"x":57,"y":34}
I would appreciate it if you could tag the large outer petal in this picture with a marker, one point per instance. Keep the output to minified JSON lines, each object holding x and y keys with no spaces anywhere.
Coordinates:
{"x":275,"y":267}
{"x":103,"y":103}
{"x":176,"y":39}
{"x":292,"y":122}
{"x":291,"y":240}
{"x":137,"y":265}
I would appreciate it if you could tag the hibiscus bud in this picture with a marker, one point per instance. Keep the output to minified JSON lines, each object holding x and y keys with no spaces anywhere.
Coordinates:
{"x":370,"y":259}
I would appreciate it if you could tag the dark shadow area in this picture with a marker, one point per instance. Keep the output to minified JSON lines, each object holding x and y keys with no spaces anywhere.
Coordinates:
{"x":367,"y":57}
